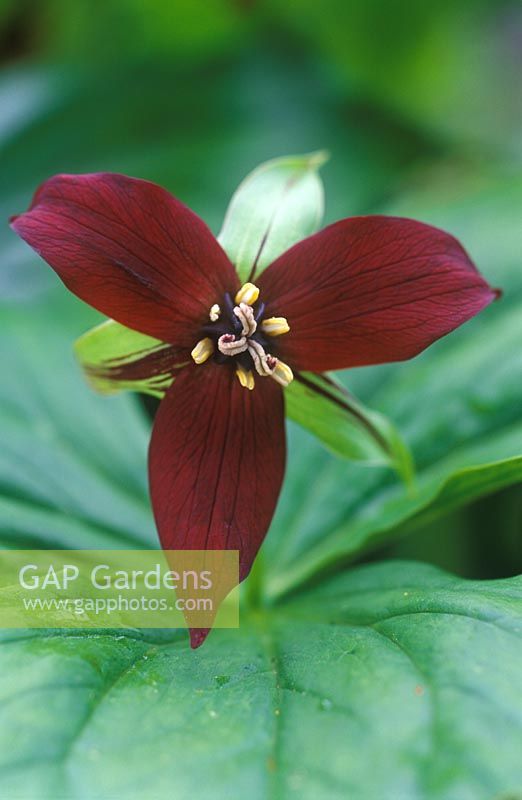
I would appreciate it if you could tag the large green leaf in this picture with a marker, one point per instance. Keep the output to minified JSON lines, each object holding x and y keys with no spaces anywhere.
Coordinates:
{"x":381,"y":514}
{"x":277,"y":205}
{"x":395,"y":681}
{"x":72,"y":465}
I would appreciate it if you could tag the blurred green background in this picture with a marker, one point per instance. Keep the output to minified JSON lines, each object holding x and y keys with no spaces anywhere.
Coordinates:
{"x":419,"y":105}
{"x":354,"y":688}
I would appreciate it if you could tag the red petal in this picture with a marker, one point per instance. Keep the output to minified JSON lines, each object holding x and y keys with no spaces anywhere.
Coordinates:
{"x":368,"y":290}
{"x":131,"y":250}
{"x":216,"y":463}
{"x":198,"y":636}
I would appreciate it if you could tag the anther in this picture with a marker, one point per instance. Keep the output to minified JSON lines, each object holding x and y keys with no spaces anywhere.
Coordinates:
{"x":203,"y":350}
{"x":245,"y":377}
{"x":282,"y":373}
{"x":247,"y":294}
{"x":215,"y":313}
{"x":275,"y":326}
{"x":230,"y":346}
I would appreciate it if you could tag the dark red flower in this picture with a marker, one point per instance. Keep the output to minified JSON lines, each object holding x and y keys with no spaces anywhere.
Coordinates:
{"x":362,"y":291}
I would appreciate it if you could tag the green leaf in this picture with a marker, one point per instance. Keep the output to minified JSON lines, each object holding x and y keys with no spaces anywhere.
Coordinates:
{"x":72,"y":465}
{"x":323,"y":406}
{"x":378,"y":516}
{"x":394,"y":681}
{"x":277,"y":205}
{"x":107,"y":348}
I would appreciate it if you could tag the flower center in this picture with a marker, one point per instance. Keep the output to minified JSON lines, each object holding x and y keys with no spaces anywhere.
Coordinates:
{"x":238,"y":333}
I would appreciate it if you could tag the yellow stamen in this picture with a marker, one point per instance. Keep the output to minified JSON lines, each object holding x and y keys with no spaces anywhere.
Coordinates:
{"x":275,"y":326}
{"x":215,"y":313}
{"x":247,"y":294}
{"x":203,"y":350}
{"x":245,"y":377}
{"x":282,"y":373}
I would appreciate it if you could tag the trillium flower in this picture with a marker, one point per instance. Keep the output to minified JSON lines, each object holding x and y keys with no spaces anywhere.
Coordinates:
{"x":364,"y":290}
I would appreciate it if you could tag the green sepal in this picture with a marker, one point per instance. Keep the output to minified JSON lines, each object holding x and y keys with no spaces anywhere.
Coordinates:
{"x":104,"y":350}
{"x":275,"y":206}
{"x":322,"y":405}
